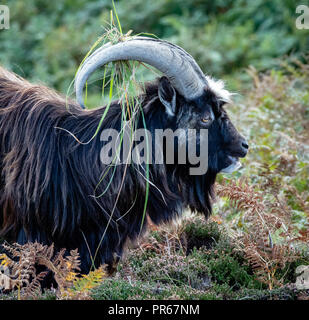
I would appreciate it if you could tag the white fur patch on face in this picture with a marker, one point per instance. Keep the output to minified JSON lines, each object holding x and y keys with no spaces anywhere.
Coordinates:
{"x":217,"y":87}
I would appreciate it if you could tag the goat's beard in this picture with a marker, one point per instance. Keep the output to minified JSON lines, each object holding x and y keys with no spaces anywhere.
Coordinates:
{"x":197,"y":192}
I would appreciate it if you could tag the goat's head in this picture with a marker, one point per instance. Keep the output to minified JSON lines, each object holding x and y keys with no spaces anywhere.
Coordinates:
{"x":188,"y":98}
{"x":225,"y":144}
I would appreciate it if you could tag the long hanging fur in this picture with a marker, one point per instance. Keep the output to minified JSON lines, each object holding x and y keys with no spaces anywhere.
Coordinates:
{"x":49,"y":182}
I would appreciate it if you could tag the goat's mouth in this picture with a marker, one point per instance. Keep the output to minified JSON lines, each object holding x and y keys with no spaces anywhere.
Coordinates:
{"x":233,"y":166}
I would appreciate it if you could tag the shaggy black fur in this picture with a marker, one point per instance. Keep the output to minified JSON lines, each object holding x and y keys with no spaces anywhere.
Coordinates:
{"x":48,"y":179}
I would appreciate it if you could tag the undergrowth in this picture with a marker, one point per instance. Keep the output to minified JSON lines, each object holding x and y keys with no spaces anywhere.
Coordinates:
{"x":258,"y":235}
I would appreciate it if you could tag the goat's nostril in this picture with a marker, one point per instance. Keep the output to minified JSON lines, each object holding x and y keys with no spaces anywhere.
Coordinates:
{"x":245,"y":145}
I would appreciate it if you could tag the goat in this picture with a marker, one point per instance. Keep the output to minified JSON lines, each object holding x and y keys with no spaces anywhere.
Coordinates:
{"x":49,"y":181}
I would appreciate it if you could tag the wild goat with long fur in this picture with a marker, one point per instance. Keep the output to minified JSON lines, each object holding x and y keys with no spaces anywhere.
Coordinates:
{"x":49,"y":180}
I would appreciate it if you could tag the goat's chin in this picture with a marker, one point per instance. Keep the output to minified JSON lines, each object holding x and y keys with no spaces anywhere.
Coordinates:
{"x":234,"y":166}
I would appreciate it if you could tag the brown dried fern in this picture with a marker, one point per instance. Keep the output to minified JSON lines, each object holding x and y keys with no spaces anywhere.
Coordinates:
{"x":23,"y":260}
{"x":256,"y":243}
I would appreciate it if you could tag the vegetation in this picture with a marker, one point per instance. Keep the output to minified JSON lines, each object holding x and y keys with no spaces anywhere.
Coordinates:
{"x":258,"y":235}
{"x":48,"y":40}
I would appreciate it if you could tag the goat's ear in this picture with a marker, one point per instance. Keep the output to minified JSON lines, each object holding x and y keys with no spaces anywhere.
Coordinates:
{"x":167,"y":96}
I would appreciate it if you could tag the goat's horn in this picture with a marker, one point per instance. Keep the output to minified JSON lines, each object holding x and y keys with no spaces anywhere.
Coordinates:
{"x":181,"y":69}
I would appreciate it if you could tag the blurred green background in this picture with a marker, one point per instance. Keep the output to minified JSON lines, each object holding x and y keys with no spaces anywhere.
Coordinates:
{"x":47,"y":40}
